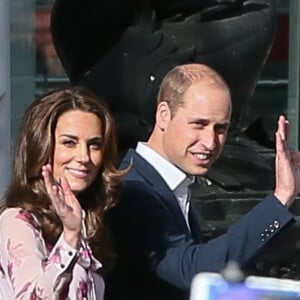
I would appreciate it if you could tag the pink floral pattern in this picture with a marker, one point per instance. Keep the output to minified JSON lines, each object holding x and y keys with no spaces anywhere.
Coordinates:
{"x":82,"y":290}
{"x":29,"y":270}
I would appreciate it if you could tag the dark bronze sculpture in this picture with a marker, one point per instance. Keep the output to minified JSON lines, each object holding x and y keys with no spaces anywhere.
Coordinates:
{"x":121,"y":49}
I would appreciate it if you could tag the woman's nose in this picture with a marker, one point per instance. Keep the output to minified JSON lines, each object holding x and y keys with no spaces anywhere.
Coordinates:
{"x":83,"y":154}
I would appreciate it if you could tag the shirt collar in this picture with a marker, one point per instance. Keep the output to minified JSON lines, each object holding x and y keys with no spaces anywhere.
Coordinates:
{"x":172,"y":175}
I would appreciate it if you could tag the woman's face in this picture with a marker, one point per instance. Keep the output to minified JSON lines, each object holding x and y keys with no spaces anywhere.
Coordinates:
{"x":78,"y":150}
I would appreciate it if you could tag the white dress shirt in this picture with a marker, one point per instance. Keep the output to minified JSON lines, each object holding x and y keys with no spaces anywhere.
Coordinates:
{"x":177,"y":181}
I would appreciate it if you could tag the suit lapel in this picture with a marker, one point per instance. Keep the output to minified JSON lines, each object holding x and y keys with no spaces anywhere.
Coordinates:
{"x":150,"y":175}
{"x":194,"y":225}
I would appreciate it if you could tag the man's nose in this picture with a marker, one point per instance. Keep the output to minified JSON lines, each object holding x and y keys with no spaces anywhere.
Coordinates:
{"x":208,"y":139}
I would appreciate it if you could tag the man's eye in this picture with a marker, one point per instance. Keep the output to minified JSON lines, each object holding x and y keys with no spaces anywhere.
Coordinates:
{"x":197,"y":125}
{"x":222,"y":129}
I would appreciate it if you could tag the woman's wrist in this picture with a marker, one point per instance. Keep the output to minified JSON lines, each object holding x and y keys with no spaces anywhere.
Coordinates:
{"x":72,"y":239}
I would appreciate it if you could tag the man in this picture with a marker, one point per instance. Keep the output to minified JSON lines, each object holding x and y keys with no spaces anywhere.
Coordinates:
{"x":158,"y":241}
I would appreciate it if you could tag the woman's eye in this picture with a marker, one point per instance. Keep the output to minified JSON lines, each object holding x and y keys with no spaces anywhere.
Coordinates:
{"x":96,"y":145}
{"x":68,"y":143}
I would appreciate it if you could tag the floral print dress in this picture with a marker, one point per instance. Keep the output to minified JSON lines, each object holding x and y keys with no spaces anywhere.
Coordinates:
{"x":30,"y":270}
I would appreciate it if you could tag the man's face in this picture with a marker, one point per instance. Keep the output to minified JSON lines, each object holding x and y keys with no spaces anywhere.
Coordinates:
{"x":194,"y":138}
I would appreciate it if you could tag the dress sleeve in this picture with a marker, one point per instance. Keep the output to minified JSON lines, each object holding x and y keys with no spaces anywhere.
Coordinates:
{"x":32,"y":271}
{"x":85,"y":255}
{"x":86,"y":283}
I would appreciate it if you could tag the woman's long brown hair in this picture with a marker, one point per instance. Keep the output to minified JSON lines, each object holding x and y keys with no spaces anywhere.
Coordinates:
{"x":34,"y":148}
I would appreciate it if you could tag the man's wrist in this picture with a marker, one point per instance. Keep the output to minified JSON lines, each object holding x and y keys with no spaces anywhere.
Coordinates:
{"x":283,"y":199}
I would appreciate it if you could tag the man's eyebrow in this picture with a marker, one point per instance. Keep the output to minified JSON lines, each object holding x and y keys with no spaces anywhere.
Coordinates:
{"x":198,"y":119}
{"x":225,"y":123}
{"x":207,"y":121}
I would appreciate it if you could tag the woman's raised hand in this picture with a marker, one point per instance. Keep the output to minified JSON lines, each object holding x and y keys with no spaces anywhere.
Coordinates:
{"x":66,"y":205}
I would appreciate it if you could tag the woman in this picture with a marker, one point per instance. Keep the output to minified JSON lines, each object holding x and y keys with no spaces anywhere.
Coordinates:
{"x":52,"y":235}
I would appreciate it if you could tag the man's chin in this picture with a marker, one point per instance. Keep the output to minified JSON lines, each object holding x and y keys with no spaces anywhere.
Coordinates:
{"x":198,"y":171}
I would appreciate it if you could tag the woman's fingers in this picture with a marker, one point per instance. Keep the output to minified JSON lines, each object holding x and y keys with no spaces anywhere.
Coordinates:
{"x":49,"y":180}
{"x":69,"y":197}
{"x":64,"y":201}
{"x":53,"y":188}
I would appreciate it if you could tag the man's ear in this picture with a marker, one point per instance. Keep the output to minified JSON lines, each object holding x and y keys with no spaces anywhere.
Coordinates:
{"x":163,"y":114}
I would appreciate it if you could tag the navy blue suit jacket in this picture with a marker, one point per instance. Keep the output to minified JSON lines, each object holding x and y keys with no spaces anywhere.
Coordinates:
{"x":157,"y":255}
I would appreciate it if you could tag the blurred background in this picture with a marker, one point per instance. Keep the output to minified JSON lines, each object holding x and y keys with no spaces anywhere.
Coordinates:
{"x":29,"y":66}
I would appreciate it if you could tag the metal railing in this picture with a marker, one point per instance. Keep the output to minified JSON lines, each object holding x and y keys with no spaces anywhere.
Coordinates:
{"x":45,"y":83}
{"x":293,"y":75}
